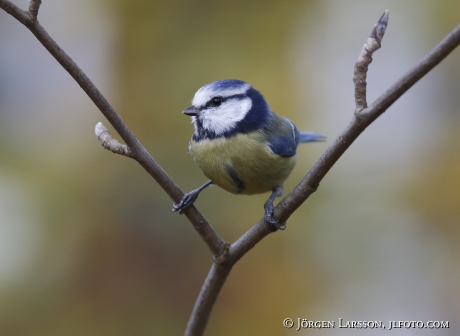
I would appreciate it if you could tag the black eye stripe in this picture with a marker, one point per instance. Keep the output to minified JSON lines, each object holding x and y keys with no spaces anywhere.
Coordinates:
{"x":235,"y":96}
{"x":211,"y":102}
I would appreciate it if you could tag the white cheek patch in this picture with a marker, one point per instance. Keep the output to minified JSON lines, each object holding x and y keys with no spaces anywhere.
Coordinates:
{"x":203,"y":95}
{"x":194,"y":124}
{"x":225,"y":117}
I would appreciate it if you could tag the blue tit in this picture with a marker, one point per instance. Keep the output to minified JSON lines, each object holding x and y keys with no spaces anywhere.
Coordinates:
{"x":240,"y":144}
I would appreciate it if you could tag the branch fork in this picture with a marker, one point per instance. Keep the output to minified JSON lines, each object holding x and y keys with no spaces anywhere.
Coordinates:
{"x":34,"y":6}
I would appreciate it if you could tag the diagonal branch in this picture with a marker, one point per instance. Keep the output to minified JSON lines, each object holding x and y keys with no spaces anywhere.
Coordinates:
{"x":310,"y":183}
{"x":358,"y":124}
{"x":139,"y":153}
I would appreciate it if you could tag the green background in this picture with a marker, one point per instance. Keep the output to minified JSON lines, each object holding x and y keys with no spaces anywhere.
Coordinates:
{"x":88,"y":243}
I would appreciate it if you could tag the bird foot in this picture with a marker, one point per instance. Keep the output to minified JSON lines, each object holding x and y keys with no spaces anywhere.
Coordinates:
{"x":185,"y":202}
{"x":272,"y":223}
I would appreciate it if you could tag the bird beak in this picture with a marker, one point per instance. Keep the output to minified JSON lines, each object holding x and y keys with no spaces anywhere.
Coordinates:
{"x":191,"y":111}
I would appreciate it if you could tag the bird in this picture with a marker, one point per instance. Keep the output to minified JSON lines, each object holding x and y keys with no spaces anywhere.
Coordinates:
{"x":240,"y":144}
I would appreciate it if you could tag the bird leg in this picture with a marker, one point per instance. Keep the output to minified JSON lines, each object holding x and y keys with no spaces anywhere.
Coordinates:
{"x":273,"y":224}
{"x":189,"y":198}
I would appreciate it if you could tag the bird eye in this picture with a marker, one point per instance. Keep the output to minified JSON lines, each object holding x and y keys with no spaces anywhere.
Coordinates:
{"x":216,"y":101}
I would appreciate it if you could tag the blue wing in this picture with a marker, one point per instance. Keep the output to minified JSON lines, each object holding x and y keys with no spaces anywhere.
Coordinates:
{"x":284,"y":138}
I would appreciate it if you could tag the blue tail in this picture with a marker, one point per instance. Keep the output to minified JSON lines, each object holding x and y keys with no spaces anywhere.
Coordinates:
{"x":311,"y":137}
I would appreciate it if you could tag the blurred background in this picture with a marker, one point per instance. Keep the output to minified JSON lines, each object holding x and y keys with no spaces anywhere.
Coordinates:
{"x":88,"y":242}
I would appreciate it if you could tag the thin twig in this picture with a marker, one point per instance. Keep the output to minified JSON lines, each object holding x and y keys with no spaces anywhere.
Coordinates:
{"x":434,"y":57}
{"x":373,"y":43}
{"x":34,"y":6}
{"x":110,"y":143}
{"x":215,"y":243}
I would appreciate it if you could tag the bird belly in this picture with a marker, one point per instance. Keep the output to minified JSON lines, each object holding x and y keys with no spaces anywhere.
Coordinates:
{"x":242,"y":164}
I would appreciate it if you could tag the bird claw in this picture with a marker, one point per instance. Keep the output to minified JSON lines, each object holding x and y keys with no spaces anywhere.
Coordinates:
{"x":185,"y":202}
{"x":272,"y":223}
{"x":189,"y":198}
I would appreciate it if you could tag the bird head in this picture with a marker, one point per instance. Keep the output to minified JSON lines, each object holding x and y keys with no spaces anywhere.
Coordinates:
{"x":227,"y":107}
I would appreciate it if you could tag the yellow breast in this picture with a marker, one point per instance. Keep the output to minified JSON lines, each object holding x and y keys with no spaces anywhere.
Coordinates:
{"x":242,"y":164}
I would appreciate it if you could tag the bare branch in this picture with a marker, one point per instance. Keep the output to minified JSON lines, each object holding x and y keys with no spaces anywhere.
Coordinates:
{"x":311,"y":181}
{"x":434,"y":57}
{"x":358,"y":124}
{"x":374,"y":42}
{"x":206,"y":299}
{"x":247,"y":241}
{"x":110,"y":143}
{"x":207,"y":233}
{"x":16,"y":12}
{"x":34,"y":6}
